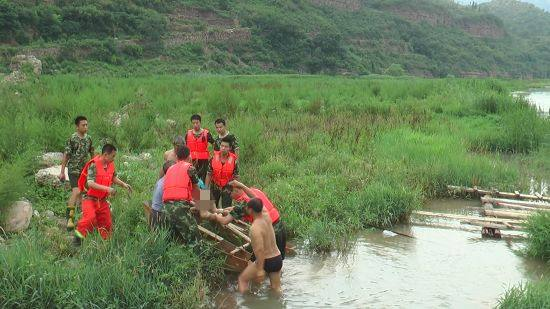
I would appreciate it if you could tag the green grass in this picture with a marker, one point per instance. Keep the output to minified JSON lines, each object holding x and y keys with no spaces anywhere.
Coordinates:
{"x":529,"y":295}
{"x":538,"y":243}
{"x":336,"y":155}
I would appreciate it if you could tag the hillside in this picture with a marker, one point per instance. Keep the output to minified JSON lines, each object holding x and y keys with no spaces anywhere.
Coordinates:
{"x":419,"y":37}
{"x":541,"y":4}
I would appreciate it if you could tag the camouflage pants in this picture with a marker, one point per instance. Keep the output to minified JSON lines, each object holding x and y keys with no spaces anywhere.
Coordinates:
{"x":181,"y":222}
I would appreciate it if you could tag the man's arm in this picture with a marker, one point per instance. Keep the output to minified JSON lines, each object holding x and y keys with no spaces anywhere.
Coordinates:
{"x":208,"y":179}
{"x":236,"y":171}
{"x":63,"y":166}
{"x":65,"y":160}
{"x":210,"y":138}
{"x":91,"y":150}
{"x":258,"y":247}
{"x":236,"y":145}
{"x":242,"y":186}
{"x":121,"y":183}
{"x":93,"y":185}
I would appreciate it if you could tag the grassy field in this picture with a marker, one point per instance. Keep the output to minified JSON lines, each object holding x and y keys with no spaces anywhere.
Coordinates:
{"x":336,"y":155}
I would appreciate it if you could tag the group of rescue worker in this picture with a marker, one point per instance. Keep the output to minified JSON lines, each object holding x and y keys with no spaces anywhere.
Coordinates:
{"x":188,"y":170}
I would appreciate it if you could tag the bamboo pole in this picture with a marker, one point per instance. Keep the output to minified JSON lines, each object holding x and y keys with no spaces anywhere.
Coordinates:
{"x":243,"y":247}
{"x":501,"y":226}
{"x":516,"y":194}
{"x":528,"y":204}
{"x":461,"y":217}
{"x":506,"y":214}
{"x":237,"y":232}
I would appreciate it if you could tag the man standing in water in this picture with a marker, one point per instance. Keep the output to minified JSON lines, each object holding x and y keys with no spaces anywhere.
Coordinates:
{"x":242,"y":194}
{"x":78,"y":151}
{"x":197,"y":140}
{"x":268,"y":257}
{"x":221,"y":128}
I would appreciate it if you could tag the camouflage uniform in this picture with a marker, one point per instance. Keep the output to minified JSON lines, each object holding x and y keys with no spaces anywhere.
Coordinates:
{"x":181,"y":221}
{"x":77,"y":149}
{"x":202,"y":165}
{"x":234,"y":142}
{"x":222,"y":193}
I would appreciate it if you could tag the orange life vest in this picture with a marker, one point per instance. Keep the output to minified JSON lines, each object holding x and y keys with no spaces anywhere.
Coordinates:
{"x":177,"y":184}
{"x":103,"y":176}
{"x":198,"y":145}
{"x":271,"y":209}
{"x":222,"y":173}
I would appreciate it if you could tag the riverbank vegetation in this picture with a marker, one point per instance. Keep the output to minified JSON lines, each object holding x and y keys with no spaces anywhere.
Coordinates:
{"x":336,"y":155}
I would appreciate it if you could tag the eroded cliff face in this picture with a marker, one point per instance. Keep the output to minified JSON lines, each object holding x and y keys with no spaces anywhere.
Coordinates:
{"x":347,"y":5}
{"x":477,"y":28}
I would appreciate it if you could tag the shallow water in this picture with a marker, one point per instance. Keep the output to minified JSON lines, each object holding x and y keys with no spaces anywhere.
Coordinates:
{"x":538,"y":97}
{"x":438,"y":268}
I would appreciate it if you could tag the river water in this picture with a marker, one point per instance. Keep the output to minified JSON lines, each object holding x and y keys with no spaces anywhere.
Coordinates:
{"x":538,"y":97}
{"x":439,"y":267}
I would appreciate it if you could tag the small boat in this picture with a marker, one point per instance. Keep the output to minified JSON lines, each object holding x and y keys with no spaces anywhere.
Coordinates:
{"x":237,"y":257}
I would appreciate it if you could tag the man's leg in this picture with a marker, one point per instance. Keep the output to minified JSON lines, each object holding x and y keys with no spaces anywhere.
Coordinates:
{"x":216,"y":195}
{"x":249,"y":273}
{"x":73,"y":199}
{"x":226,"y":198}
{"x":280,"y":237}
{"x":86,"y":224}
{"x":275,"y":281}
{"x":104,"y":221}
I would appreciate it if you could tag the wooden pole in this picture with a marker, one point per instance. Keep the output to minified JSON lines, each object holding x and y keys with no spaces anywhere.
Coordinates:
{"x":461,"y":217}
{"x":237,"y":232}
{"x":506,"y":214}
{"x":503,"y":226}
{"x":527,"y":204}
{"x":243,"y":247}
{"x":516,"y":194}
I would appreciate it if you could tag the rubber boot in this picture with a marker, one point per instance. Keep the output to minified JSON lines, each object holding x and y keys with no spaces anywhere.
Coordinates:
{"x":70,"y":218}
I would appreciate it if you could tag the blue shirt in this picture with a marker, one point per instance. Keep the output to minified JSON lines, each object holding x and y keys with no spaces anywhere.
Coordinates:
{"x":157,"y":195}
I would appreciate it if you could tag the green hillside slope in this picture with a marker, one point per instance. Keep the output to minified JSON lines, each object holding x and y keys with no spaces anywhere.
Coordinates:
{"x":419,"y":37}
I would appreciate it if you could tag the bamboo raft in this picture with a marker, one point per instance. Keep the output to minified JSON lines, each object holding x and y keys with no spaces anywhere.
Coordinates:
{"x":514,"y":195}
{"x":237,"y":257}
{"x":500,"y":210}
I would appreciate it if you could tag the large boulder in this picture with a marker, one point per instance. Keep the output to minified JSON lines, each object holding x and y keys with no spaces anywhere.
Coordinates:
{"x":48,"y":176}
{"x":18,"y":217}
{"x":19,"y":73}
{"x":50,"y":159}
{"x":19,"y":61}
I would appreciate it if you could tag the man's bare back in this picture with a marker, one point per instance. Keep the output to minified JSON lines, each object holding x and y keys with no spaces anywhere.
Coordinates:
{"x":268,"y":257}
{"x":170,"y":155}
{"x":262,"y":227}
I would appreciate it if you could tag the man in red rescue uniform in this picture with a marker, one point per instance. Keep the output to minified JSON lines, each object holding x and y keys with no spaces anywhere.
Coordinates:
{"x":222,"y":169}
{"x":95,"y":181}
{"x":242,"y":195}
{"x":197,"y":140}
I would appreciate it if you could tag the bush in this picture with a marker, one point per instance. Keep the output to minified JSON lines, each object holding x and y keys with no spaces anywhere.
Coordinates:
{"x":538,"y":242}
{"x":395,"y":70}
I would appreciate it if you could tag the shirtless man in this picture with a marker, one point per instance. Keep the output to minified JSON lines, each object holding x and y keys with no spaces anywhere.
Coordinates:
{"x":268,"y":256}
{"x":170,"y":155}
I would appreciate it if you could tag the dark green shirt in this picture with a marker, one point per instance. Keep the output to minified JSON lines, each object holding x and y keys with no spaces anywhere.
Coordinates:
{"x":79,"y":150}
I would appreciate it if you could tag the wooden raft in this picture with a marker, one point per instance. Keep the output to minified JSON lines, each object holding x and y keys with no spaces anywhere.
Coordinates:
{"x":237,"y":258}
